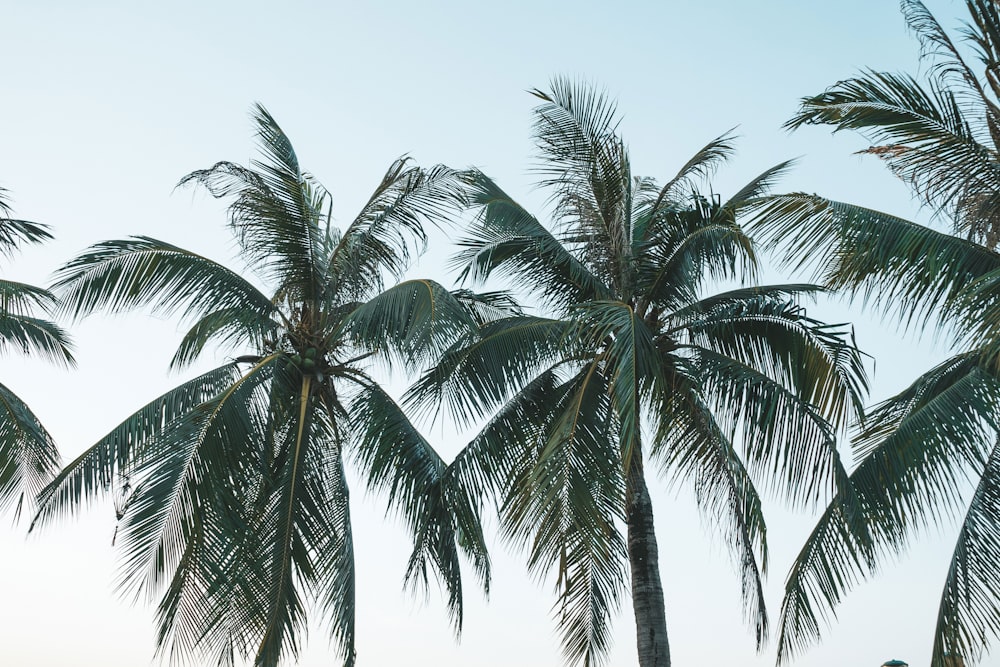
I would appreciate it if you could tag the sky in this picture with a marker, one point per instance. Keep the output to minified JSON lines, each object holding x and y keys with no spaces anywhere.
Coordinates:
{"x":108,"y":104}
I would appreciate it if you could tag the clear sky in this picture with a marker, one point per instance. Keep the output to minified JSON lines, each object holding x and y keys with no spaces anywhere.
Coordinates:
{"x":107,"y":104}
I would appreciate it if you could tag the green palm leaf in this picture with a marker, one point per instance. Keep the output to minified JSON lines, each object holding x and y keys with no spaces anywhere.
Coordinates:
{"x":379,"y":240}
{"x":897,"y":265}
{"x":141,"y":271}
{"x":114,"y":455}
{"x":478,"y":373}
{"x":507,"y":238}
{"x":918,"y":449}
{"x":442,"y":514}
{"x":969,"y":614}
{"x":28,"y":456}
{"x":694,"y":447}
{"x":413,"y":322}
{"x":567,"y":497}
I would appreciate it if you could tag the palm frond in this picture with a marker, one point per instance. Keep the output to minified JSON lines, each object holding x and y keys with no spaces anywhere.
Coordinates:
{"x":116,"y":454}
{"x":228,"y":328}
{"x":335,"y":568}
{"x":918,"y":449}
{"x":688,"y":247}
{"x":903,"y":268}
{"x":585,"y":164}
{"x":629,"y":358}
{"x":390,"y":227}
{"x":565,"y":502}
{"x":819,"y":362}
{"x":508,"y":240}
{"x":700,"y":166}
{"x":442,"y":515}
{"x":34,"y":336}
{"x":481,"y":371}
{"x":759,"y":186}
{"x":14,"y":233}
{"x":413,"y":321}
{"x":785,"y":440}
{"x":28,"y":456}
{"x":20,"y":298}
{"x":969,"y":613}
{"x":693,"y":446}
{"x":115,"y":276}
{"x":276,"y":210}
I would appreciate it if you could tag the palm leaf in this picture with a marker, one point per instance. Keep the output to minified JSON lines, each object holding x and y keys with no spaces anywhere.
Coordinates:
{"x":969,"y":613}
{"x":276,"y":209}
{"x":413,"y":322}
{"x":567,"y":497}
{"x":31,"y":335}
{"x":115,"y":454}
{"x":441,"y":514}
{"x":918,"y":449}
{"x":900,"y":266}
{"x":693,"y":446}
{"x":379,"y":239}
{"x":481,"y":371}
{"x":28,"y":456}
{"x":141,"y":271}
{"x":507,"y":239}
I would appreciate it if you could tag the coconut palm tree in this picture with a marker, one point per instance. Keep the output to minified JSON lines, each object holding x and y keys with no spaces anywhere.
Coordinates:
{"x":28,"y":456}
{"x":630,"y":365}
{"x":231,"y":490}
{"x":917,"y":451}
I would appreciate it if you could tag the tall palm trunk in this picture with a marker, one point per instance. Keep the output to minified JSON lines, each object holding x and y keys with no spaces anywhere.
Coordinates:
{"x":647,"y":591}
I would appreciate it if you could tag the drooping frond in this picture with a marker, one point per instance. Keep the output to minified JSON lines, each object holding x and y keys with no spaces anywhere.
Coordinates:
{"x":414,"y":322}
{"x":785,"y":440}
{"x":14,"y":233}
{"x":140,"y":271}
{"x":481,"y":371}
{"x":28,"y":456}
{"x":692,"y":446}
{"x":818,"y":361}
{"x":508,"y":240}
{"x":969,"y":613}
{"x":229,"y":328}
{"x":565,"y":502}
{"x":918,"y":450}
{"x":35,"y":336}
{"x":901,"y":267}
{"x":20,"y":298}
{"x":924,"y":135}
{"x":113,"y":457}
{"x":441,"y":513}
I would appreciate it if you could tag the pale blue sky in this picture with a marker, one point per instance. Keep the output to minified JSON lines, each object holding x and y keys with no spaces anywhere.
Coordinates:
{"x":108,"y":104}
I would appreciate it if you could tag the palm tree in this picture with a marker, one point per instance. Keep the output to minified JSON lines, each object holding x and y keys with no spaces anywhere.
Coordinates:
{"x":917,"y":451}
{"x":231,"y":492}
{"x":632,"y":365}
{"x":28,"y":456}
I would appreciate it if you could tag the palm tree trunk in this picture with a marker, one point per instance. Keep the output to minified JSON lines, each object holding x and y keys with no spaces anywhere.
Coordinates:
{"x":647,"y":591}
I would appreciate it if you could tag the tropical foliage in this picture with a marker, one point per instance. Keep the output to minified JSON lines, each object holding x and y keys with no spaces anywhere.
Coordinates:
{"x":28,"y":456}
{"x":231,"y":488}
{"x":631,"y":364}
{"x":917,"y":451}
